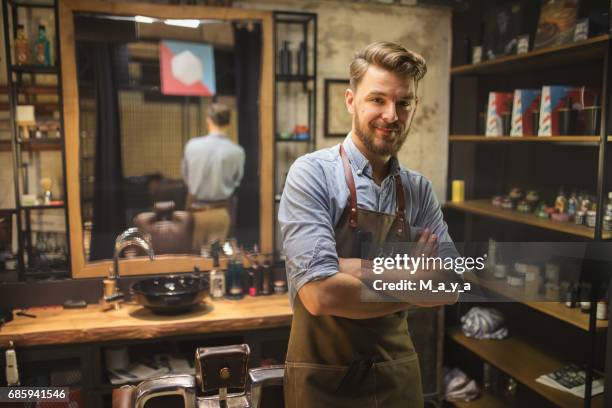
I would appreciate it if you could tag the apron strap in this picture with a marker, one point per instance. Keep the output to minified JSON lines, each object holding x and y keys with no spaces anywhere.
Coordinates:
{"x":350,"y":182}
{"x":401,"y":205}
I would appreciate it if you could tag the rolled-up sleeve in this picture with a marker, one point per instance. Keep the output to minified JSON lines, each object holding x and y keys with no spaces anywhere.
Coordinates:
{"x":306,"y":228}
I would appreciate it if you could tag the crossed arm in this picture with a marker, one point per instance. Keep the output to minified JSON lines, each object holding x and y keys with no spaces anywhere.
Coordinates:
{"x":340,"y":294}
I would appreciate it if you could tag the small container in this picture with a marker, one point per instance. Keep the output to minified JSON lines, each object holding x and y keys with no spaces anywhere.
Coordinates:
{"x":507,"y":204}
{"x":551,"y":272}
{"x":524,"y":206}
{"x":602,"y":310}
{"x":570,"y":296}
{"x":497,"y":201}
{"x":552,"y":292}
{"x":532,"y":197}
{"x":591,"y":217}
{"x":607,"y":223}
{"x":500,"y":271}
{"x":580,"y":217}
{"x":515,"y":280}
{"x":266,"y":279}
{"x":515,"y":194}
{"x":280,"y":286}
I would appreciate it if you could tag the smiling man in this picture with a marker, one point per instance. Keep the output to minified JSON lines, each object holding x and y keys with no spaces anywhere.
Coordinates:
{"x":344,"y":352}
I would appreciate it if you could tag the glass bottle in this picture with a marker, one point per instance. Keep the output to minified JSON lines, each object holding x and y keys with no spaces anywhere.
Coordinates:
{"x":42,"y":47}
{"x":561,"y":202}
{"x":217,"y":275}
{"x":22,"y":49}
{"x":572,"y":205}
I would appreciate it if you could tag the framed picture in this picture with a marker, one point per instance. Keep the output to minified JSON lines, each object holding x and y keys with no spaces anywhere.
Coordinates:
{"x":556,"y":23}
{"x":502,"y":27}
{"x":337,"y":120}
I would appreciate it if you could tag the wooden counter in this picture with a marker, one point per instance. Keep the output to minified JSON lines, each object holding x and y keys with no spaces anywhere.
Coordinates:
{"x":55,"y":325}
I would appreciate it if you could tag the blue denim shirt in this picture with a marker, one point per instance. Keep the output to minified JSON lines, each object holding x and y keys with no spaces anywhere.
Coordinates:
{"x":212,"y":167}
{"x":314,"y":198}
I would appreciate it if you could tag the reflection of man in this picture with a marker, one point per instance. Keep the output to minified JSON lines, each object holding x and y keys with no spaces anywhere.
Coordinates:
{"x":213,"y":166}
{"x":344,"y":352}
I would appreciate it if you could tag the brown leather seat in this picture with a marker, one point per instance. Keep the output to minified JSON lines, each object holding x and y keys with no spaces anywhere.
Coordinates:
{"x":171,"y":231}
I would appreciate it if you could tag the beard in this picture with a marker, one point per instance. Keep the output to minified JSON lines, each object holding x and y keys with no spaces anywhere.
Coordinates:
{"x":382,"y":147}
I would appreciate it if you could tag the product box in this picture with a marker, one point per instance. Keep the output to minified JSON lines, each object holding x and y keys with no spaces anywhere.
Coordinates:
{"x":526,"y":103}
{"x":562,"y":109}
{"x":499,"y":113}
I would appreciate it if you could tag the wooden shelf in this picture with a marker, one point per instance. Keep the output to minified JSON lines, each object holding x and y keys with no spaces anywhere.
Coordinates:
{"x":574,"y":140}
{"x":555,"y":309}
{"x":486,"y":209}
{"x":486,"y":400}
{"x":523,"y":362}
{"x":294,"y":78}
{"x":34,"y":145}
{"x":34,"y":69}
{"x":42,"y":207}
{"x":588,"y":50}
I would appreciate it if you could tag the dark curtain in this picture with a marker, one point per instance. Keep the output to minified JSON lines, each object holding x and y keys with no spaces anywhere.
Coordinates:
{"x":108,"y":204}
{"x":247,"y":49}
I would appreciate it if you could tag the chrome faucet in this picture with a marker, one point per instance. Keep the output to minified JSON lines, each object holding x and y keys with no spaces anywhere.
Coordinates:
{"x":129,"y":237}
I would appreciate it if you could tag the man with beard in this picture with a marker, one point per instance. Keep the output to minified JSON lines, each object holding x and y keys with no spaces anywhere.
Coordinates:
{"x":343,"y":351}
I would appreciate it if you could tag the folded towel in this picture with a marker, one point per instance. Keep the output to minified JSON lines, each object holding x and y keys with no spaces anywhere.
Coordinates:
{"x":484,"y":323}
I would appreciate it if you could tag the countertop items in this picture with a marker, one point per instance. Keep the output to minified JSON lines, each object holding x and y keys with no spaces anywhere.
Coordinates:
{"x":56,"y":325}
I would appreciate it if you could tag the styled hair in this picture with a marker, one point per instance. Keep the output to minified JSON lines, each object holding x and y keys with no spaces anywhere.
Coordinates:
{"x":389,"y":56}
{"x":219,"y":114}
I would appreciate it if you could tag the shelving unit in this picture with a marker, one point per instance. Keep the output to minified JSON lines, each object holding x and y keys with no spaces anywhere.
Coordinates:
{"x":24,"y":88}
{"x":573,"y":140}
{"x":486,"y":209}
{"x":292,"y":101}
{"x":485,"y":400}
{"x":492,"y":165}
{"x":519,"y":359}
{"x":587,"y":50}
{"x":572,"y":316}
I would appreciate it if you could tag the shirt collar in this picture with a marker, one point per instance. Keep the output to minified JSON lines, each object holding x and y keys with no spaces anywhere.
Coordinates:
{"x":217,"y":134}
{"x":360,"y":163}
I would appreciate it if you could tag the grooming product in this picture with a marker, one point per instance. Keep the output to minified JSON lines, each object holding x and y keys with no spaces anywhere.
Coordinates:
{"x":602,"y":310}
{"x":561,"y":202}
{"x":532,"y":197}
{"x":570,"y":296}
{"x":46,"y":183}
{"x":572,"y":205}
{"x":217,"y":276}
{"x":458,"y":191}
{"x":22,"y":49}
{"x":552,"y":271}
{"x":515,"y":280}
{"x":585,"y":297}
{"x":285,"y":59}
{"x":302,"y":59}
{"x":254,"y":280}
{"x":233,"y":279}
{"x":42,"y":48}
{"x":500,"y":271}
{"x":580,"y":217}
{"x":266,"y":279}
{"x":591,"y":217}
{"x":280,"y":286}
{"x":12,"y":370}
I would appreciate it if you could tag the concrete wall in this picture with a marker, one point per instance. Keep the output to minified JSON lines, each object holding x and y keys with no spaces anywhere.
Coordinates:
{"x":345,"y":26}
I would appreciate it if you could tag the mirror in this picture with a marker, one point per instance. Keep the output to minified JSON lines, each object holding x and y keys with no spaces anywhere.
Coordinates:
{"x":140,"y":83}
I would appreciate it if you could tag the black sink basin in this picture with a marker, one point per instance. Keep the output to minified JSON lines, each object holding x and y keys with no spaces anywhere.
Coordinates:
{"x":171,"y":294}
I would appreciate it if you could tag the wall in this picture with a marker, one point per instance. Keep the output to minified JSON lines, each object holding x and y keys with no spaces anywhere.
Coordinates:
{"x":344,"y":27}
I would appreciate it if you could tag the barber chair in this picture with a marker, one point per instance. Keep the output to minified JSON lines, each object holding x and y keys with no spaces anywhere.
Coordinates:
{"x":171,"y":231}
{"x":220,"y":382}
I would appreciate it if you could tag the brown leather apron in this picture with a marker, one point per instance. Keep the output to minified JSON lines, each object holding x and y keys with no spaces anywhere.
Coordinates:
{"x":339,"y":362}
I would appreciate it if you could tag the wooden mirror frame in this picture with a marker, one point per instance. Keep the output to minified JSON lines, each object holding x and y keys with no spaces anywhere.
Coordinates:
{"x":163,"y":263}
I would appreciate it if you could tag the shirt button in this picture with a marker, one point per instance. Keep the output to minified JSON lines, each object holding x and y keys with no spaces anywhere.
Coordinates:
{"x":359,"y":172}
